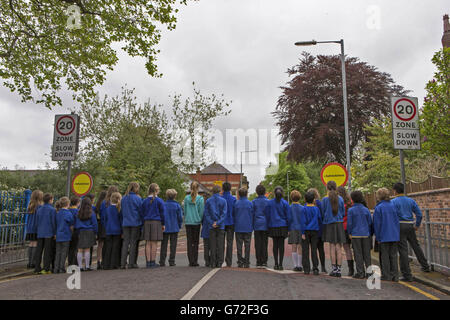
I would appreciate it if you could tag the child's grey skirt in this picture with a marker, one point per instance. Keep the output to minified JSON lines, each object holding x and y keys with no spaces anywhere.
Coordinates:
{"x":295,"y":237}
{"x":86,"y":239}
{"x":333,"y":233}
{"x":153,"y":230}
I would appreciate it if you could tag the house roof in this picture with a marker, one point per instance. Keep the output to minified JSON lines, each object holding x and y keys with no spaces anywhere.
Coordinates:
{"x":215,"y":168}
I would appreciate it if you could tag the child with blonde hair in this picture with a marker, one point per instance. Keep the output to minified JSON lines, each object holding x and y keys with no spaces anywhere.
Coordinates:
{"x":36,"y":200}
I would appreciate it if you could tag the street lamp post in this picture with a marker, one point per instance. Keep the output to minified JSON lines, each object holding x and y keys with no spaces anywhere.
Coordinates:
{"x":344,"y":92}
{"x":246,"y":151}
{"x":287,"y":182}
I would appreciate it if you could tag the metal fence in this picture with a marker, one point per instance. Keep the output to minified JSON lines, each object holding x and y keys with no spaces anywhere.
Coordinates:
{"x":434,"y":238}
{"x":13,"y":219}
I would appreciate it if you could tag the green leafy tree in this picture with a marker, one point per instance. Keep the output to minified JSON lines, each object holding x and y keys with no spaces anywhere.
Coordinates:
{"x":298,"y":178}
{"x":124,"y":141}
{"x":436,"y":112}
{"x":47,"y":44}
{"x":376,"y":163}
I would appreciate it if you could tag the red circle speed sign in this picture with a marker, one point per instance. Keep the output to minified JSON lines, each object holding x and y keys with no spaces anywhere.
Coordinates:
{"x":65,"y":125}
{"x":405,"y":111}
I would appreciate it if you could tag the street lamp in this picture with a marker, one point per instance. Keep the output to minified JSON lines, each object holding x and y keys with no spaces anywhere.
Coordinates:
{"x":287,"y":182}
{"x":247,"y":151}
{"x":344,"y":90}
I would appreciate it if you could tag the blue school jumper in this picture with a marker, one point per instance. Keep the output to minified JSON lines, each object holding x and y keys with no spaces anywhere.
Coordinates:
{"x":173,"y":216}
{"x":90,"y":224}
{"x":64,"y":220}
{"x":130,"y":207}
{"x":31,"y":222}
{"x":46,"y":221}
{"x":113,"y":221}
{"x":406,"y":207}
{"x":297,"y":212}
{"x":243,"y":216}
{"x":386,"y":224}
{"x":205,"y":229}
{"x":216,"y":211}
{"x":74,"y":212}
{"x":319,"y":206}
{"x":259,"y":219}
{"x":328,"y":216}
{"x":278,"y":214}
{"x":310,"y":218}
{"x":154,"y":210}
{"x":231,"y":200}
{"x":359,"y":221}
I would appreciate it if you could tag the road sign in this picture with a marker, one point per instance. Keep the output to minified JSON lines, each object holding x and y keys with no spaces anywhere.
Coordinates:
{"x":334,"y":172}
{"x":405,"y":123}
{"x":82,"y":183}
{"x":65,"y":137}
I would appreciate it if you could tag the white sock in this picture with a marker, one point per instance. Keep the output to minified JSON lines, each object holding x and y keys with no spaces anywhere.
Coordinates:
{"x":299,"y":260}
{"x":80,"y":259}
{"x":294,"y":259}
{"x":87,"y":257}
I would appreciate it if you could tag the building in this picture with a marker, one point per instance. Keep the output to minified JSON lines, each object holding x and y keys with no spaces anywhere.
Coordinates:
{"x":217,"y":174}
{"x":446,"y":35}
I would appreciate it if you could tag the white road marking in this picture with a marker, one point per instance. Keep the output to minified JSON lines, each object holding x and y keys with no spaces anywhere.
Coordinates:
{"x":200,"y":284}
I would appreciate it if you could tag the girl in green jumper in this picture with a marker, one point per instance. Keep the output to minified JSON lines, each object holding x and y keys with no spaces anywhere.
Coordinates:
{"x":193,"y":216}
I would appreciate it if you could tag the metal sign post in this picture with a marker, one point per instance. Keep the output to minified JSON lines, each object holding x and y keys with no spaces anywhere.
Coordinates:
{"x":65,"y":141}
{"x":405,"y":128}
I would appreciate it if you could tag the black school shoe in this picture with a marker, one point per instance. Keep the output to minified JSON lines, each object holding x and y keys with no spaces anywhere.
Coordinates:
{"x":406,"y":279}
{"x":133,"y":266}
{"x":358,"y":276}
{"x":426,"y":269}
{"x":172,"y":264}
{"x":316,"y":272}
{"x":276,"y":267}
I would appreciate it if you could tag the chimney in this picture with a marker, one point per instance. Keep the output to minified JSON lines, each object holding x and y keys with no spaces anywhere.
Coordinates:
{"x":446,"y":36}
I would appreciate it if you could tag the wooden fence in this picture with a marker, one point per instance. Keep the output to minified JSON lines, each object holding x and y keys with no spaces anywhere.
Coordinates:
{"x":432,"y":183}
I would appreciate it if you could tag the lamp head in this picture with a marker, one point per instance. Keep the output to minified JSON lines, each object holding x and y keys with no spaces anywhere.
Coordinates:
{"x":306,"y":43}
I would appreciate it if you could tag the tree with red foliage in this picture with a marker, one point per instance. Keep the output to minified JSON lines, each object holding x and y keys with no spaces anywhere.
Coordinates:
{"x":310,"y":112}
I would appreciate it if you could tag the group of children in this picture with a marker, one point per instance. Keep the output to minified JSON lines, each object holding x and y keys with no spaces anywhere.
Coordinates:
{"x":70,"y":229}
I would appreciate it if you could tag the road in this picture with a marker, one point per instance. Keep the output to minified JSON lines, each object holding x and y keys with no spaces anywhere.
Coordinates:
{"x":201,"y":283}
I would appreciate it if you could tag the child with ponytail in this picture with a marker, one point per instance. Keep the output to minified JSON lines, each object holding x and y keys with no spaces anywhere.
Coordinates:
{"x":333,"y":227}
{"x":37,"y":200}
{"x":278,"y":215}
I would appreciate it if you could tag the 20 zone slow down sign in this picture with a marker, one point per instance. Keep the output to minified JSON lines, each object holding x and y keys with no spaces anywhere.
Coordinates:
{"x":65,"y":137}
{"x":405,"y":123}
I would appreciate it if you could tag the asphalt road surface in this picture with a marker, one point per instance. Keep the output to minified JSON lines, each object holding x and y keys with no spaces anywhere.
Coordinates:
{"x":201,"y":283}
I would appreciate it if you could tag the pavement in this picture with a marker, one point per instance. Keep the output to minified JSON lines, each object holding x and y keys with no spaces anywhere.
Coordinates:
{"x":202,"y":283}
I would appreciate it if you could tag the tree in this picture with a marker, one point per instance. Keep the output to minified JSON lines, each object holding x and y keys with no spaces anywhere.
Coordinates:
{"x":376,"y":164}
{"x":192,"y":121}
{"x":48,"y":42}
{"x":436,"y":113}
{"x":309,"y":113}
{"x":124,"y":141}
{"x":298,"y":178}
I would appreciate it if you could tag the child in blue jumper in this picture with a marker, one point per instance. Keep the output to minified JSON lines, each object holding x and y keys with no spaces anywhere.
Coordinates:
{"x":206,"y":246}
{"x":310,"y":222}
{"x":387,"y":232}
{"x":243,"y":227}
{"x":112,"y":221}
{"x":74,"y":205}
{"x":131,"y":224}
{"x":359,"y":228}
{"x":46,"y":231}
{"x":295,"y":231}
{"x":173,"y":220}
{"x":36,"y":200}
{"x":260,"y":227}
{"x":86,"y":226}
{"x":64,"y":230}
{"x":215,"y":214}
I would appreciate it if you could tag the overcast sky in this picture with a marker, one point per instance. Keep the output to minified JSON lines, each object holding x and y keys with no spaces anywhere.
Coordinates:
{"x":243,"y":49}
